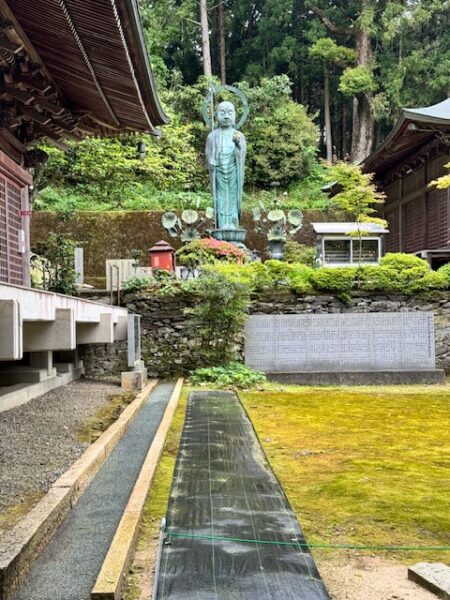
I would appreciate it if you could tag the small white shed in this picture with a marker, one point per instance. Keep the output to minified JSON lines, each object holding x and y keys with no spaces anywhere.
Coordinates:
{"x":337,"y":245}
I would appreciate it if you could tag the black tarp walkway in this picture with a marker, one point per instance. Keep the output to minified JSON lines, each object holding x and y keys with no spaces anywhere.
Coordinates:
{"x":224,"y":487}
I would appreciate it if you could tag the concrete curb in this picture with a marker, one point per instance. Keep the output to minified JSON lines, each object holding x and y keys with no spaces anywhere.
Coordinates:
{"x":21,"y":545}
{"x":117,"y":561}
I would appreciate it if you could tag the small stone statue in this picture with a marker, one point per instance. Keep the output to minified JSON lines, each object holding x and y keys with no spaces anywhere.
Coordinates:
{"x":225,"y":155}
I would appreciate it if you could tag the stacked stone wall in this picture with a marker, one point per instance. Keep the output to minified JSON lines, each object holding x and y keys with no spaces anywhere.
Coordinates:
{"x":169,"y":341}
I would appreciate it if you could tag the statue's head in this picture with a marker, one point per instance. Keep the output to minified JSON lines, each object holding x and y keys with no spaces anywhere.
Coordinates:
{"x":226,"y":114}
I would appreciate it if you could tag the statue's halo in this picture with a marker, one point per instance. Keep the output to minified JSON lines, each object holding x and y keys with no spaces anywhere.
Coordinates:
{"x":209,"y":100}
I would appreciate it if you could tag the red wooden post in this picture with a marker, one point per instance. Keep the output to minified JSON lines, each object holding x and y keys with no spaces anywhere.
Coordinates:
{"x":162,"y":256}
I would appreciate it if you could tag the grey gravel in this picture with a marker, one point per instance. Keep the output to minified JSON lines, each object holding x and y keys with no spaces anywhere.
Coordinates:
{"x":38,"y":439}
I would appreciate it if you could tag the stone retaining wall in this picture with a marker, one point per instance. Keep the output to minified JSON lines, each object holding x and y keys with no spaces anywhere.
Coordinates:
{"x":168,"y":342}
{"x":115,"y":234}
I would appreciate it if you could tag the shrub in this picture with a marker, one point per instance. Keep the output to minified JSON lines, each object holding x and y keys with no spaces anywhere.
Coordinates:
{"x":401,"y":261}
{"x":137,"y":283}
{"x":279,"y":271}
{"x":263,"y":277}
{"x":219,"y":315}
{"x":239,"y":273}
{"x":207,"y":250}
{"x":57,"y":262}
{"x":338,"y":280}
{"x":429,"y":282}
{"x":300,"y":253}
{"x":445,"y":270}
{"x":235,"y":375}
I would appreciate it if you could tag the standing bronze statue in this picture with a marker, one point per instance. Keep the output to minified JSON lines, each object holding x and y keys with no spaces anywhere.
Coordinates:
{"x":225,"y":154}
{"x":226,"y":148}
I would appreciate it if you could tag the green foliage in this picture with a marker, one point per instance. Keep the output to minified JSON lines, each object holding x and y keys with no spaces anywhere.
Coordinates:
{"x":357,"y":196}
{"x":107,"y":172}
{"x":326,"y":50}
{"x":357,"y":80}
{"x":219,"y":316}
{"x":279,"y":271}
{"x":397,"y":273}
{"x":445,"y":271}
{"x":281,"y":136}
{"x":358,"y":192}
{"x":442,"y":183}
{"x":294,"y":276}
{"x":58,"y":268}
{"x":402,"y":262}
{"x":232,"y":375}
{"x":137,"y":283}
{"x":300,"y":253}
{"x":338,"y":281}
{"x":206,"y":251}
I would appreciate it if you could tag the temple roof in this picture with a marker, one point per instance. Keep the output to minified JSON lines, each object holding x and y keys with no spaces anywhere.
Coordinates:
{"x":414,"y":135}
{"x":346,"y":228}
{"x":74,"y":67}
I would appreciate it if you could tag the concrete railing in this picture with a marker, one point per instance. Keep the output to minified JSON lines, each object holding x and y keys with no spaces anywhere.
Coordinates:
{"x":35,"y":320}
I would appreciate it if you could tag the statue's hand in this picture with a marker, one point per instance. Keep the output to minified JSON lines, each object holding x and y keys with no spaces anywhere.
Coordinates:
{"x":237,"y":138}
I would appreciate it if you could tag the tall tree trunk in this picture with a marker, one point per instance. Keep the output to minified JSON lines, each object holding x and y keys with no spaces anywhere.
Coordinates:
{"x":363,"y":121}
{"x":344,"y":150}
{"x":326,"y":108}
{"x":222,"y":54}
{"x":206,"y":51}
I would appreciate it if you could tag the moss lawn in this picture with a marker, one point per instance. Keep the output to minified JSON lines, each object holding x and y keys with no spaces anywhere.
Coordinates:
{"x":366,"y":466}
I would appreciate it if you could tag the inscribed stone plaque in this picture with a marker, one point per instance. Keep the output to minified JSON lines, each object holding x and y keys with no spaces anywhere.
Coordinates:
{"x":340,"y":342}
{"x":134,"y":339}
{"x":79,"y":265}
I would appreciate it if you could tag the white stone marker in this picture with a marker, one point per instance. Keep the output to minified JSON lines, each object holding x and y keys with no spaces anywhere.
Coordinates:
{"x":435,"y":577}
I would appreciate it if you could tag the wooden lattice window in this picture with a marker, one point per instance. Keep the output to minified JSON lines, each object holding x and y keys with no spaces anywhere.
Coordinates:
{"x":3,"y":233}
{"x":436,"y":167}
{"x":413,"y":182}
{"x":413,"y":226}
{"x":11,"y":256}
{"x":437,"y":219}
{"x":393,"y":237}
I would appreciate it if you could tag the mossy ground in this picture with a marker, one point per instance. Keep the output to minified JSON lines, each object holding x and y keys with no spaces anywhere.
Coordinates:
{"x":366,"y":466}
{"x":105,"y":416}
{"x":14,"y":514}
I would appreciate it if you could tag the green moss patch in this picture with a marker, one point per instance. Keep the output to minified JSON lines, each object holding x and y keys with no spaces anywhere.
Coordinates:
{"x":366,"y":466}
{"x":105,"y":416}
{"x":14,"y":514}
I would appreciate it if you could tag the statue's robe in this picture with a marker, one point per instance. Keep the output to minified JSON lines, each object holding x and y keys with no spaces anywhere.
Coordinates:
{"x":226,"y":160}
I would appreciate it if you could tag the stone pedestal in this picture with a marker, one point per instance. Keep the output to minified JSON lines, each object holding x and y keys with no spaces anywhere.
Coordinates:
{"x":135,"y":379}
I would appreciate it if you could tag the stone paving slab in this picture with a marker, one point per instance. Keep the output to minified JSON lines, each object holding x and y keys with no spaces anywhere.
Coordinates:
{"x":435,"y":577}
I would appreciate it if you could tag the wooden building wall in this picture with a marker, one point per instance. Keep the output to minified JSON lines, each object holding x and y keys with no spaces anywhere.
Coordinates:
{"x":14,"y":222}
{"x":418,"y":216}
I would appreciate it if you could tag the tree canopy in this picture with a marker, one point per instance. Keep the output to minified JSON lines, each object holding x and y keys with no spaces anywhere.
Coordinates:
{"x":324,"y":78}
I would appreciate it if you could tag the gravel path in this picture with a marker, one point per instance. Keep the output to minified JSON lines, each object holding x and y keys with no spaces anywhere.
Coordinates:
{"x":369,"y":578}
{"x":37,"y":439}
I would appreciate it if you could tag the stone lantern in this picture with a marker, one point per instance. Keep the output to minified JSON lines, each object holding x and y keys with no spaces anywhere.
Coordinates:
{"x":162,"y":256}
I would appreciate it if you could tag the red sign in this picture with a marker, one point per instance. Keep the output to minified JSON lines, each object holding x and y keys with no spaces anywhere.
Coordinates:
{"x":25,"y":213}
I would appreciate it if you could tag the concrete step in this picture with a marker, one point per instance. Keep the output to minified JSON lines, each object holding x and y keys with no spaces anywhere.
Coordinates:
{"x":13,"y":374}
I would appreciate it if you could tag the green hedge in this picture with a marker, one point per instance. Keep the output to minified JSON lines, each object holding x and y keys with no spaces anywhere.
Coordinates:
{"x":396,"y":273}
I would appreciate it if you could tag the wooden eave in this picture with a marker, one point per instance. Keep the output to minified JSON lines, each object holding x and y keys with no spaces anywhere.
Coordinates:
{"x":72,"y":68}
{"x":414,"y":138}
